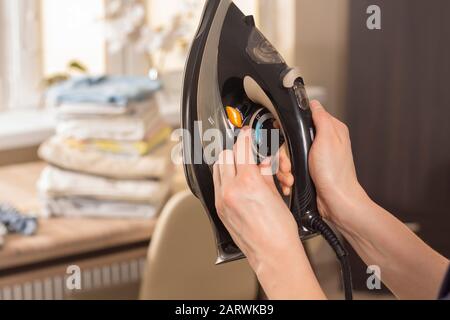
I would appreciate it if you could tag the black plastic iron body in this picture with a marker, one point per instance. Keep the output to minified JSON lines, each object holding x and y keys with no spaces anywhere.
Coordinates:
{"x":234,"y":64}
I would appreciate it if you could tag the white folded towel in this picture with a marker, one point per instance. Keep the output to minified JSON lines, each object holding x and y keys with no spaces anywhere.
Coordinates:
{"x":153,"y":166}
{"x":55,"y":182}
{"x":133,"y":127}
{"x":90,"y":208}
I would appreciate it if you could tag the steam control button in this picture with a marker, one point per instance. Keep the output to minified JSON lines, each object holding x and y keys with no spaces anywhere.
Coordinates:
{"x":291,"y":77}
{"x":301,"y":96}
{"x":235,"y":117}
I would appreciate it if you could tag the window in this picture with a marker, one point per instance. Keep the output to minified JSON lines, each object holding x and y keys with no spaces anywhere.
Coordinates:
{"x":161,"y":11}
{"x":40,"y":37}
{"x":72,"y":30}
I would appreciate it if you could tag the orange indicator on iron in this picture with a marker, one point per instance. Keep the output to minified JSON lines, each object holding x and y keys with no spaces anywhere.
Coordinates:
{"x":235,"y":117}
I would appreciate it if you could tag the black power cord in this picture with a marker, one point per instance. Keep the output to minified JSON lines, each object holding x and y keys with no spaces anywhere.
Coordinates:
{"x":315,"y":222}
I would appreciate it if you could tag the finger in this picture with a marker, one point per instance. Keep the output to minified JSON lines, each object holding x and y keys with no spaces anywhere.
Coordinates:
{"x":285,"y":161}
{"x":286,"y":179}
{"x":286,"y":183}
{"x":243,"y":152}
{"x":322,"y":119}
{"x":316,"y":106}
{"x":286,"y":191}
{"x":227,"y":168}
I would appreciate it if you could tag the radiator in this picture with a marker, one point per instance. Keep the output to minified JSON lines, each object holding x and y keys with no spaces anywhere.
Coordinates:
{"x":50,"y":283}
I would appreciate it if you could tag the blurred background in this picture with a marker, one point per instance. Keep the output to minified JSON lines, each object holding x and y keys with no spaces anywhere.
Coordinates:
{"x":89,"y":96}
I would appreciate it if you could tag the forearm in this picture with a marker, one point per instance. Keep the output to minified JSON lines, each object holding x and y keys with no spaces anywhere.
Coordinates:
{"x":409,"y":267}
{"x":289,"y":277}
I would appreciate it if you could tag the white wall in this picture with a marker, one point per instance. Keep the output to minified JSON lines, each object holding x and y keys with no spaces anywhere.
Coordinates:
{"x":322,"y":47}
{"x":277,"y":21}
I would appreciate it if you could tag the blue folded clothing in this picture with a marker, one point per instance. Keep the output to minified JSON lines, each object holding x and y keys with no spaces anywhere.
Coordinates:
{"x":106,"y":90}
{"x":17,"y":222}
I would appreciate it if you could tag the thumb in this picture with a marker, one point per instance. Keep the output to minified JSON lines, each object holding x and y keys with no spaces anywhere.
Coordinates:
{"x":316,"y":106}
{"x":322,"y":119}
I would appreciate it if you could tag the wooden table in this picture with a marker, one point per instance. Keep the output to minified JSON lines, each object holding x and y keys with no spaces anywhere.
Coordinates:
{"x":61,"y":242}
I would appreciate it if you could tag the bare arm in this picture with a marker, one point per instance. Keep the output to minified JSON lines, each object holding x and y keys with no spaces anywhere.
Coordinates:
{"x":409,"y":267}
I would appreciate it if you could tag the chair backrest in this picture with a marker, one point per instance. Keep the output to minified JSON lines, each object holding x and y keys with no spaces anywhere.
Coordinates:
{"x":181,"y":259}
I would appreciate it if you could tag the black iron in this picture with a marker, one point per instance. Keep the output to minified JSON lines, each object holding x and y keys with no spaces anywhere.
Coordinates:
{"x":233,"y":67}
{"x":232,"y":63}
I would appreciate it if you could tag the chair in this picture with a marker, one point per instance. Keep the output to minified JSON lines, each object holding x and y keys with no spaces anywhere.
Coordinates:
{"x":181,"y":257}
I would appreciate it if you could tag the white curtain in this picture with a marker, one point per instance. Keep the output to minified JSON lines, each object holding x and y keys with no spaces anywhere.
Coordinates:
{"x":277,"y":21}
{"x":20,"y":59}
{"x":3,"y":97}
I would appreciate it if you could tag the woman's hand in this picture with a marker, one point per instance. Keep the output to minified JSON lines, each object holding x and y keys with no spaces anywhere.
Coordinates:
{"x":376,"y":235}
{"x":250,"y":206}
{"x":261,"y":224}
{"x":257,"y":219}
{"x":331,"y":166}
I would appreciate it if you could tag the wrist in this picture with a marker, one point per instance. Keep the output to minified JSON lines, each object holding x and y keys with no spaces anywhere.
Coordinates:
{"x":344,"y":205}
{"x":289,"y":276}
{"x":279,"y":262}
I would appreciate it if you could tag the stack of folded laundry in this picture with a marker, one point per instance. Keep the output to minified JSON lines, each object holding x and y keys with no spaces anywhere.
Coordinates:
{"x":110,"y":156}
